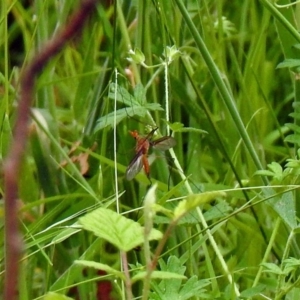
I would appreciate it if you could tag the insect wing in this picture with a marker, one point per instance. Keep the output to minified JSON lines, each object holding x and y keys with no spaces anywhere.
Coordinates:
{"x":164,"y":143}
{"x":135,"y":166}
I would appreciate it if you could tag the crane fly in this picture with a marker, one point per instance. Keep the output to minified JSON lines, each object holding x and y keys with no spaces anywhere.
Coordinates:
{"x":143,"y":144}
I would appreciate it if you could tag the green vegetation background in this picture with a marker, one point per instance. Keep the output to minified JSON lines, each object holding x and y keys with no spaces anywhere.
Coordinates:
{"x":233,"y":106}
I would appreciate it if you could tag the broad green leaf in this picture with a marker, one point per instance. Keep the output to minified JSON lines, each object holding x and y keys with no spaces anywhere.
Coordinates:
{"x":124,"y":233}
{"x":99,"y":266}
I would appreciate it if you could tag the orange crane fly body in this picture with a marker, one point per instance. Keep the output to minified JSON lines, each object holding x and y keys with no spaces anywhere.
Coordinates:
{"x":142,"y":147}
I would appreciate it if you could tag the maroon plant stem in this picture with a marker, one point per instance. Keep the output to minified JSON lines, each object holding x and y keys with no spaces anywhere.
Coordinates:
{"x":12,"y":163}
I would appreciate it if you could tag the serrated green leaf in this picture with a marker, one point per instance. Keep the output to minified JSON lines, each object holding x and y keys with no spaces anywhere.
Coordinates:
{"x":122,"y":95}
{"x":292,"y":163}
{"x":172,"y":288}
{"x":275,"y":167}
{"x":124,"y":233}
{"x":99,"y":266}
{"x":121,"y":114}
{"x":193,"y":287}
{"x":173,"y":265}
{"x":290,"y":265}
{"x":195,"y":200}
{"x":140,"y":94}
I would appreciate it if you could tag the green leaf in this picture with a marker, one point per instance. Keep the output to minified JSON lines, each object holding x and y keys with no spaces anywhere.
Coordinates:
{"x":99,"y":266}
{"x":195,"y":200}
{"x":285,"y":207}
{"x":291,"y":264}
{"x":294,"y":127}
{"x":218,"y":211}
{"x":56,"y":296}
{"x":122,"y":95}
{"x":172,"y":288}
{"x":121,"y":114}
{"x":179,"y":127}
{"x":136,"y":56}
{"x":157,"y":275}
{"x":297,"y":229}
{"x":193,"y":287}
{"x":140,"y":94}
{"x":264,"y":173}
{"x":293,"y":138}
{"x":272,"y":268}
{"x":253,"y":291}
{"x":295,"y":115}
{"x":65,"y":234}
{"x":275,"y":167}
{"x":137,"y":106}
{"x":276,"y":171}
{"x":171,"y":53}
{"x":124,"y":233}
{"x":289,"y":63}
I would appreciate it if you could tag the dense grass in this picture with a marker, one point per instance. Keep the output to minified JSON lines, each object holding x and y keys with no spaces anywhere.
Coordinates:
{"x":227,"y":105}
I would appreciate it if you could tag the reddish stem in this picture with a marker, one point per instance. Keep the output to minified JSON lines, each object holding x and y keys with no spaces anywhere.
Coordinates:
{"x":12,"y":163}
